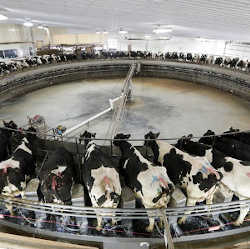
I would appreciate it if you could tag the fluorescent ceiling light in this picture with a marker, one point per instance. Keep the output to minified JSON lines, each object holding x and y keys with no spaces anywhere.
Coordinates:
{"x":147,"y":36}
{"x":28,"y":24}
{"x":162,"y":30}
{"x":164,"y":38}
{"x":40,"y":27}
{"x":2,"y":17}
{"x":122,"y":32}
{"x":201,"y":39}
{"x":97,"y":32}
{"x":105,"y":32}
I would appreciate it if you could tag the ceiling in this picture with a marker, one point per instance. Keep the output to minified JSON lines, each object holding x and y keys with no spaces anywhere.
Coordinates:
{"x":215,"y":19}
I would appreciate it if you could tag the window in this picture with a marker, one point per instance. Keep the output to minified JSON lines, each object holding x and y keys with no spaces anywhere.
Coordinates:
{"x":1,"y":54}
{"x":10,"y":53}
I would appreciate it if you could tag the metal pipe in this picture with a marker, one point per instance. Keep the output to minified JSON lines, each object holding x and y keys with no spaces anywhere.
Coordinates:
{"x":86,"y":121}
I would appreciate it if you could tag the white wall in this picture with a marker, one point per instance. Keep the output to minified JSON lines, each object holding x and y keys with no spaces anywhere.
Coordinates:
{"x":11,"y":33}
{"x":177,"y":44}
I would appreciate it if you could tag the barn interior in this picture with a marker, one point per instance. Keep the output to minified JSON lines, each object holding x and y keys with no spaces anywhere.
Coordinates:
{"x":121,"y":66}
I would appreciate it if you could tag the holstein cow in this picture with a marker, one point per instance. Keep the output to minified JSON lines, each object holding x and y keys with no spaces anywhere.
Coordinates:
{"x":16,"y":171}
{"x":236,"y":173}
{"x":149,"y":182}
{"x":5,"y":136}
{"x":57,"y":176}
{"x":198,"y":178}
{"x":101,"y":177}
{"x":228,"y":145}
{"x":243,"y":137}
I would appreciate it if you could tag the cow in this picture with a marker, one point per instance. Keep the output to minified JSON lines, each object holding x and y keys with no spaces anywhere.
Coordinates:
{"x":56,"y":179}
{"x":228,"y":145}
{"x":236,"y":173}
{"x":5,"y":137}
{"x":16,"y":171}
{"x":242,"y":136}
{"x":101,"y":177}
{"x":198,"y":178}
{"x":218,"y":61}
{"x":149,"y":182}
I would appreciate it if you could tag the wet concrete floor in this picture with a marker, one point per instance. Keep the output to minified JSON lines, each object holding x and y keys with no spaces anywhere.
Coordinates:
{"x":173,"y":107}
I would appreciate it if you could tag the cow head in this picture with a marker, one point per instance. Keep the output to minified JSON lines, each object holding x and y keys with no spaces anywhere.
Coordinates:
{"x":184,"y":140}
{"x":208,"y":138}
{"x":86,"y":137}
{"x":149,"y":137}
{"x":119,"y":138}
{"x":11,"y":125}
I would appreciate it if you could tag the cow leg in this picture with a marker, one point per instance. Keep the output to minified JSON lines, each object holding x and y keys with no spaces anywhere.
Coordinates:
{"x":190,"y":203}
{"x":99,"y":222}
{"x":114,"y":221}
{"x":243,"y":213}
{"x":150,"y":227}
{"x":10,"y":209}
{"x":209,"y":200}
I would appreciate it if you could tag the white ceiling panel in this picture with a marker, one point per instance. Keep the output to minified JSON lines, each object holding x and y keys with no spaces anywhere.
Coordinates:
{"x":218,"y":19}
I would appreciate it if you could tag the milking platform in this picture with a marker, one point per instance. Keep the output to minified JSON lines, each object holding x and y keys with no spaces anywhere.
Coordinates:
{"x":203,"y":221}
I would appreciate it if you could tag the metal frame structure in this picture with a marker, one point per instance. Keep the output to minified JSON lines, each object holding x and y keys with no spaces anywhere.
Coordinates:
{"x":122,"y":214}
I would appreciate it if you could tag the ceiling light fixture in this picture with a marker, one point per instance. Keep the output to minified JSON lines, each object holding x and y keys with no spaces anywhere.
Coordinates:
{"x":201,"y":39}
{"x":2,"y":17}
{"x":162,"y":30}
{"x":40,"y":27}
{"x":105,"y":32}
{"x":97,"y":32}
{"x":28,"y":24}
{"x":147,"y":36}
{"x":122,"y":32}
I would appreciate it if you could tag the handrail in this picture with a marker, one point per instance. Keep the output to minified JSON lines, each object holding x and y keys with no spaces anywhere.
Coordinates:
{"x":135,"y":139}
{"x":124,"y":213}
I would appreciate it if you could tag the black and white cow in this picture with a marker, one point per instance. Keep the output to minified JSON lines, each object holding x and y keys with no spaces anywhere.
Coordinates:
{"x":243,"y":137}
{"x":228,"y":145}
{"x":236,"y":173}
{"x":101,"y":177}
{"x":149,"y":182}
{"x":16,"y":171}
{"x":198,"y":178}
{"x":5,"y":137}
{"x":57,"y":177}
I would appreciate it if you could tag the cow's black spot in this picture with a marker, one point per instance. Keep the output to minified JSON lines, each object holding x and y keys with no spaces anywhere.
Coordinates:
{"x":245,"y":163}
{"x":205,"y":184}
{"x":192,"y":147}
{"x":158,"y":197}
{"x":101,"y":200}
{"x":114,"y":196}
{"x":90,"y":183}
{"x":177,"y":168}
{"x":228,"y":166}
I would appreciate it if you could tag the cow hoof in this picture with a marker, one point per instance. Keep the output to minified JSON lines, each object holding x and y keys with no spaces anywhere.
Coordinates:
{"x":114,"y":223}
{"x":149,"y":229}
{"x":98,"y":228}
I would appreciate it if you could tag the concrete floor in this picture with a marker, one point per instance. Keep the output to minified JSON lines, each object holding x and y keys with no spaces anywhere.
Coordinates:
{"x":173,"y":107}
